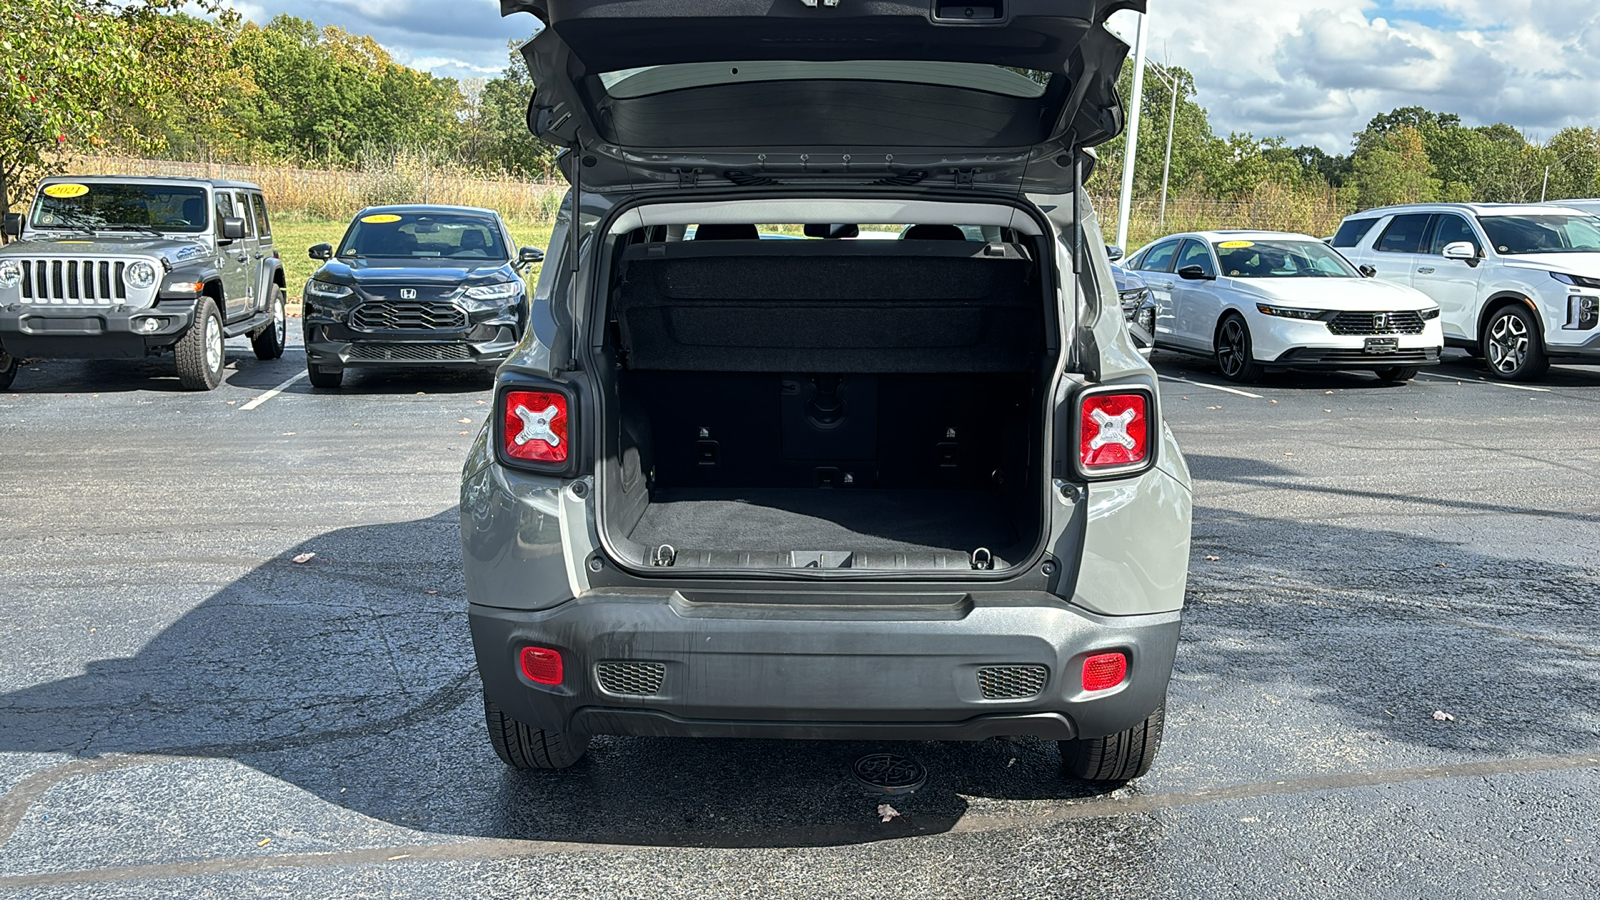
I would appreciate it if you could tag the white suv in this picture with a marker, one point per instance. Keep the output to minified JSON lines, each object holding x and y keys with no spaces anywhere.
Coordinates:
{"x":1519,"y":285}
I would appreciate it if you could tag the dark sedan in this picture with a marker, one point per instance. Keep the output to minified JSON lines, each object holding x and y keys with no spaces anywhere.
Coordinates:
{"x":435,"y":286}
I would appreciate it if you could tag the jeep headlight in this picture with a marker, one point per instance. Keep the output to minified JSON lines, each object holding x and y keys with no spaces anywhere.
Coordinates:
{"x":140,"y":275}
{"x":10,"y":273}
{"x":503,"y":290}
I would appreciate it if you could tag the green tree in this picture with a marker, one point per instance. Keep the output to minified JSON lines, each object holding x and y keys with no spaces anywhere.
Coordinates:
{"x":1573,"y":156}
{"x":497,"y":124}
{"x":1392,"y":168}
{"x":1195,"y":150}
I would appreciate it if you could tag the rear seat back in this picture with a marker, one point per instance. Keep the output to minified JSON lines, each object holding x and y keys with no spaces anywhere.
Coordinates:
{"x":829,"y":306}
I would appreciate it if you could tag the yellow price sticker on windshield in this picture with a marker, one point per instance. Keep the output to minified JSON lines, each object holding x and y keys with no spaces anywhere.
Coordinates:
{"x":380,"y":219}
{"x":65,"y":191}
{"x":1235,"y":245}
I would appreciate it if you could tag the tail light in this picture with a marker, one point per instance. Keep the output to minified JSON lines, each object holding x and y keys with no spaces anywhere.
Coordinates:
{"x":536,"y":428}
{"x":1115,"y":431}
{"x":1104,"y":671}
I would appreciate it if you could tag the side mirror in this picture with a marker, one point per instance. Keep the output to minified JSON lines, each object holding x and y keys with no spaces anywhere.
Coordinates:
{"x":1195,"y":273}
{"x":1462,"y":250}
{"x":320,"y":251}
{"x":527,"y":256}
{"x":232,"y":228}
{"x":13,"y":225}
{"x":1367,"y":271}
{"x":1116,"y":253}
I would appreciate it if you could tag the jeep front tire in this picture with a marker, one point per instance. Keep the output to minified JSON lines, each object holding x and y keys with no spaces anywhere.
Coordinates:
{"x":200,"y":351}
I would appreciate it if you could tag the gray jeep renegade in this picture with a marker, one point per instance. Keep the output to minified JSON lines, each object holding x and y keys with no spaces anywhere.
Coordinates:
{"x":125,"y":267}
{"x":826,"y":424}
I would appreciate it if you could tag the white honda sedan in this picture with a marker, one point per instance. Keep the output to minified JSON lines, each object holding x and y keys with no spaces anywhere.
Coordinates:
{"x":1258,"y":300}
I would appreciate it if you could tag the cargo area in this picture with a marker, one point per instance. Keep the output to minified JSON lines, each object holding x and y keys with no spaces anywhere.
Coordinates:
{"x":782,"y":404}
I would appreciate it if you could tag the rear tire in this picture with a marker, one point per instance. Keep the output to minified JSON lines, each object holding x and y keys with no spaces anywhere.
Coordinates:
{"x":1115,"y":758}
{"x":269,"y":343}
{"x":1513,"y":345}
{"x":8,"y":368}
{"x":525,"y":747}
{"x":324,"y":378}
{"x":200,"y":351}
{"x":1234,"y":352}
{"x":1396,"y":374}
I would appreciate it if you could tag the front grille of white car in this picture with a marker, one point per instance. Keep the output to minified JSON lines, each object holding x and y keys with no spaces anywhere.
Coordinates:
{"x":74,"y":282}
{"x":1375,"y":323}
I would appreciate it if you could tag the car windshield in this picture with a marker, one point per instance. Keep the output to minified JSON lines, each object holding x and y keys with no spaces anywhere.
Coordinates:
{"x":423,"y":235}
{"x":1282,"y":259}
{"x":118,"y":207}
{"x":1554,"y":233}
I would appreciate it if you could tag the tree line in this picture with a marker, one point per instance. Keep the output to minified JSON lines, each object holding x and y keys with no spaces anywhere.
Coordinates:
{"x":147,"y":77}
{"x":1409,"y":155}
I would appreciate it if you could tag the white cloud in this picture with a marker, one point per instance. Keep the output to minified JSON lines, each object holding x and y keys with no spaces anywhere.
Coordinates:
{"x":1316,"y":71}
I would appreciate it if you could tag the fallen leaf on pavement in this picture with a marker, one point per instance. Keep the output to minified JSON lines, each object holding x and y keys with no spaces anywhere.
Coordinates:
{"x":430,"y":592}
{"x":1213,"y":559}
{"x":305,"y":557}
{"x":264,"y":842}
{"x":464,"y":421}
{"x":1440,"y":716}
{"x":888,"y":812}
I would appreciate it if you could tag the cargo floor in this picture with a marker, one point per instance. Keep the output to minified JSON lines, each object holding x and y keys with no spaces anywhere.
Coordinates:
{"x":905,"y":521}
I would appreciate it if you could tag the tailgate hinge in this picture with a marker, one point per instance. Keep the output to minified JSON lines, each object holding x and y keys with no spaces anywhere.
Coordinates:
{"x":688,"y":178}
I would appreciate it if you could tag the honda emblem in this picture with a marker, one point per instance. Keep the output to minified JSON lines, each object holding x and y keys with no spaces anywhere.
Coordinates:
{"x":408,"y":293}
{"x":1380,"y":323}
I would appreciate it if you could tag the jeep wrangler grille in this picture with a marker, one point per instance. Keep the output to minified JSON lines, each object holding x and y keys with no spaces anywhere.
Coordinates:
{"x":391,"y":315}
{"x":73,"y":282}
{"x":631,"y":677}
{"x":1011,"y":682}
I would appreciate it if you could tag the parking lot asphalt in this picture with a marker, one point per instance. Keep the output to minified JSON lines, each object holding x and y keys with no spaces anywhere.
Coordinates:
{"x":1387,"y":685}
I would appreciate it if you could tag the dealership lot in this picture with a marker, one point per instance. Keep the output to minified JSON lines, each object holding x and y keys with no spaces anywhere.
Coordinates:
{"x":186,"y":710}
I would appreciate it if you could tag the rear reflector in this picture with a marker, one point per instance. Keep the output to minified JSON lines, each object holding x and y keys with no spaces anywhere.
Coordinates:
{"x":1104,"y":671}
{"x":1113,"y":431}
{"x":536,"y":426}
{"x":541,"y":665}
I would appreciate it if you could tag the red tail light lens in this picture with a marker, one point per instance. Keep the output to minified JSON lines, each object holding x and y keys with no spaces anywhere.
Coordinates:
{"x":536,"y":426}
{"x":1113,"y":431}
{"x":1104,"y":671}
{"x":541,"y":665}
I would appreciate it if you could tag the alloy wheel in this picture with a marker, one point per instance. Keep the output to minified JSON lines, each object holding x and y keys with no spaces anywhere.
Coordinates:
{"x":280,"y":321}
{"x":1231,"y":349}
{"x":213,"y":344}
{"x":1508,"y":343}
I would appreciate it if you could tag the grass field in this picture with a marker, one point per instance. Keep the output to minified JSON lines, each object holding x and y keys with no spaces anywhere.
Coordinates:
{"x":293,"y":236}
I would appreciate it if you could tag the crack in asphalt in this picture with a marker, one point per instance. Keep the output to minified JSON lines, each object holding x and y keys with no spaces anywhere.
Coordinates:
{"x":485,"y":849}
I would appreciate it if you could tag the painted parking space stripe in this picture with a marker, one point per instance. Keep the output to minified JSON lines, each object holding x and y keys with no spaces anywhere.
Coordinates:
{"x":273,"y":393}
{"x":1213,"y":387}
{"x":1498,"y":384}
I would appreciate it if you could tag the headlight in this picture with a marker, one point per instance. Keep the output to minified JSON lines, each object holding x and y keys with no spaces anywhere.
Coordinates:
{"x":1285,"y":312}
{"x":139,"y":275}
{"x":10,"y":273}
{"x":322,"y":290}
{"x":1428,"y":315}
{"x":1576,"y":280}
{"x":1133,"y":297}
{"x":504,"y":290}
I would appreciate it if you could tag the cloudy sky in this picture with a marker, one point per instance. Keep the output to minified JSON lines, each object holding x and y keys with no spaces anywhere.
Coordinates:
{"x":1313,"y":71}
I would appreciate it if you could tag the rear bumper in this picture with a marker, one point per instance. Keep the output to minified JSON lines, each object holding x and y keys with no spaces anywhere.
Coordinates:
{"x":89,"y":333}
{"x":904,"y":670}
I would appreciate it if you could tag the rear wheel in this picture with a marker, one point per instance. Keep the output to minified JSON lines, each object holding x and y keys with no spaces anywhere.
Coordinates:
{"x":200,"y":351}
{"x":525,"y":747}
{"x":1115,"y":758}
{"x":8,"y":368}
{"x":1396,"y":374}
{"x":269,"y":343}
{"x":1512,"y":345}
{"x":1235,"y":355}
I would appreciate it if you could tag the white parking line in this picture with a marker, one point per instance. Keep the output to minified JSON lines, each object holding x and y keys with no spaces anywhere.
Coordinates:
{"x":272,"y":393}
{"x":1499,"y":384}
{"x":1214,"y":387}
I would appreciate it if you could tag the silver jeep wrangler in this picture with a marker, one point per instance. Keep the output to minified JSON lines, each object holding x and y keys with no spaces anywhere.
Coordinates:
{"x":826,"y":424}
{"x":121,"y":267}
